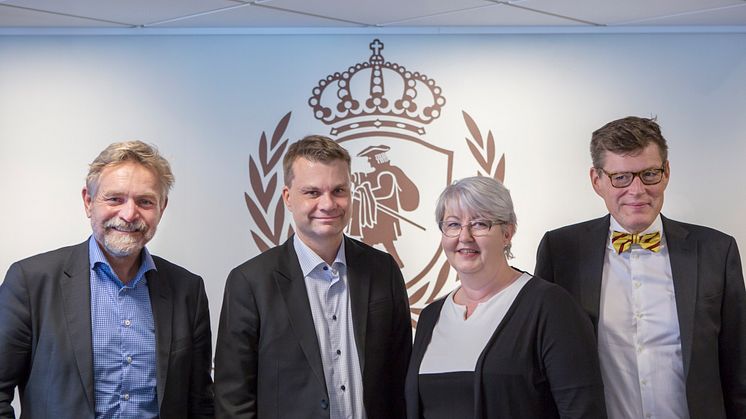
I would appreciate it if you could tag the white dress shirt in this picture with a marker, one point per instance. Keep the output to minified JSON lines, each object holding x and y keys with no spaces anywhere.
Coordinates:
{"x":332,"y":317}
{"x":639,"y":341}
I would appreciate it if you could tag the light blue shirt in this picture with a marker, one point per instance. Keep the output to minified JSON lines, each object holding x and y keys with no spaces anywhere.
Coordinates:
{"x":332,"y":317}
{"x":123,"y":331}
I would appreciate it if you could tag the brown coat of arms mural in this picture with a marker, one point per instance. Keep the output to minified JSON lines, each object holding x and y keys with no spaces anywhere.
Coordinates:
{"x":378,"y":110}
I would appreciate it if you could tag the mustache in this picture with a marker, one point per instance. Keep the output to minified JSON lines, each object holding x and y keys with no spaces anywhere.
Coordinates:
{"x":121,"y":225}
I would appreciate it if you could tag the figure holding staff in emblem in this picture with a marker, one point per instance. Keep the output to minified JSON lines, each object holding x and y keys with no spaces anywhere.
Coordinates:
{"x":378,"y":198}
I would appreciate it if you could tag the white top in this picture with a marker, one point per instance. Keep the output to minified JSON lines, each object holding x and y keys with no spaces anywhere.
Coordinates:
{"x":639,"y":341}
{"x":332,"y":317}
{"x":457,"y":342}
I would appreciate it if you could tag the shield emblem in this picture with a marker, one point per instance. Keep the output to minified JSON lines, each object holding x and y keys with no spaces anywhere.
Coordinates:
{"x":388,"y":211}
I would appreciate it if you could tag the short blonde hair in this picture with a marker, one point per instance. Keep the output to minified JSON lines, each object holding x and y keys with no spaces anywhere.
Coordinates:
{"x":131,"y":151}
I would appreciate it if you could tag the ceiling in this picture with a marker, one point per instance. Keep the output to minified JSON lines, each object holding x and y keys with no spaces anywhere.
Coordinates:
{"x":441,"y":16}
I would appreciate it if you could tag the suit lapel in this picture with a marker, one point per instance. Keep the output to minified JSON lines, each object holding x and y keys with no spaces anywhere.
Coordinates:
{"x":161,"y":303}
{"x":292,"y":287}
{"x":76,"y":302}
{"x":592,"y":251}
{"x":683,"y":256}
{"x":358,"y":282}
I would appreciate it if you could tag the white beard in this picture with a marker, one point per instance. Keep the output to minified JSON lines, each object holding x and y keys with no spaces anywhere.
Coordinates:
{"x":121,"y":245}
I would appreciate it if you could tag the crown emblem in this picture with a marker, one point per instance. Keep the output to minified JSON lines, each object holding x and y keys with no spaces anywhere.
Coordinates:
{"x":377,"y":94}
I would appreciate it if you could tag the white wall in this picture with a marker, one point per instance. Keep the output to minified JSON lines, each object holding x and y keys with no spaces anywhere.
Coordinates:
{"x":205,"y":100}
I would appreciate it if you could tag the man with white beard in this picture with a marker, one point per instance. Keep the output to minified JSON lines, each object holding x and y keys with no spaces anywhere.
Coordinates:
{"x":104,"y":329}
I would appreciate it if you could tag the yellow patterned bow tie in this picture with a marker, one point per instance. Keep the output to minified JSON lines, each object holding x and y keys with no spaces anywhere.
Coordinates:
{"x":624,"y":241}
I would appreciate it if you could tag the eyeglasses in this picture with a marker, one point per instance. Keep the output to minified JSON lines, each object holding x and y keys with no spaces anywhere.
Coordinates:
{"x":476,"y":228}
{"x":624,"y":179}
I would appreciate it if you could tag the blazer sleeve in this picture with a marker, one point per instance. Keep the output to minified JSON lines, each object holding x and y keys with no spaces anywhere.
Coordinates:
{"x":570,"y":357}
{"x":201,"y":403}
{"x":15,"y":337}
{"x":543,"y":268}
{"x":236,"y":353}
{"x":732,"y":340}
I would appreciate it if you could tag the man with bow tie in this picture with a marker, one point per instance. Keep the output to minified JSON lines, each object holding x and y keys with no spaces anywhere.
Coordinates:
{"x":666,"y":298}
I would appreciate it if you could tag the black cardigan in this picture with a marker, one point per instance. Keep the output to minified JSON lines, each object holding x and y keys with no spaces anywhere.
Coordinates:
{"x":541,"y":361}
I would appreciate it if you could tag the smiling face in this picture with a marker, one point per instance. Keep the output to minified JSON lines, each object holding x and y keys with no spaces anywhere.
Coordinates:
{"x":125,"y":209}
{"x":481,"y":256}
{"x":319,"y":197}
{"x":636,"y":206}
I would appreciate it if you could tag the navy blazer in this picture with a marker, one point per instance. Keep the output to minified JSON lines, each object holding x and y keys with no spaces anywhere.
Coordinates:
{"x":46,"y":347}
{"x":710,"y":302}
{"x":268,"y":362}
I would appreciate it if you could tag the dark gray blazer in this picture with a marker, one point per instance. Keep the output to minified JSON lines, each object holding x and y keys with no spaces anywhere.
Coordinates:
{"x":710,"y":301}
{"x":268,"y":362}
{"x":46,"y":344}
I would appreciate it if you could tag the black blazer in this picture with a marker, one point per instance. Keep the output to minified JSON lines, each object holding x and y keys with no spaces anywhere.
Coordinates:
{"x":268,"y":362}
{"x":541,"y":361}
{"x":710,"y":302}
{"x":46,"y":344}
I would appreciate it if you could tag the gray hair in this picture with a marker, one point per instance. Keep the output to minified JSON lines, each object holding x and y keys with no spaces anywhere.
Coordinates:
{"x":483,"y":197}
{"x":131,"y":151}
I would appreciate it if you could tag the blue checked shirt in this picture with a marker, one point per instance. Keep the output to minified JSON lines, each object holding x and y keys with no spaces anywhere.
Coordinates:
{"x":123,"y":330}
{"x":332,"y":317}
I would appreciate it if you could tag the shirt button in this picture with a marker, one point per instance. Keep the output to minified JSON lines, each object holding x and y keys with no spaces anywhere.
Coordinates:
{"x":638,"y":284}
{"x":127,"y":322}
{"x":343,"y":387}
{"x":644,"y":382}
{"x":126,"y":397}
{"x":324,"y":404}
{"x":326,"y":268}
{"x":339,"y":352}
{"x":129,"y":359}
{"x":334,"y":317}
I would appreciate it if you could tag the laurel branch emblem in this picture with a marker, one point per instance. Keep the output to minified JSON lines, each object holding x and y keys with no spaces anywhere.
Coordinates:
{"x":484,"y":151}
{"x":270,"y":225}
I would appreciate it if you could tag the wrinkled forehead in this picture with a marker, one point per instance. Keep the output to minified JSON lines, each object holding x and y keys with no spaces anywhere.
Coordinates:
{"x":116,"y":177}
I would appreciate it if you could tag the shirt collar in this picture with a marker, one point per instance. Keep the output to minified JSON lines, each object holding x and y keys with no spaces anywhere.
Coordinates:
{"x":656,"y":226}
{"x":97,"y":258}
{"x":309,"y":260}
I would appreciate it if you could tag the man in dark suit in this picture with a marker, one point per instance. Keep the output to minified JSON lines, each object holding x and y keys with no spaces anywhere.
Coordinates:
{"x":666,"y":298}
{"x":104,"y":329}
{"x":318,"y":327}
